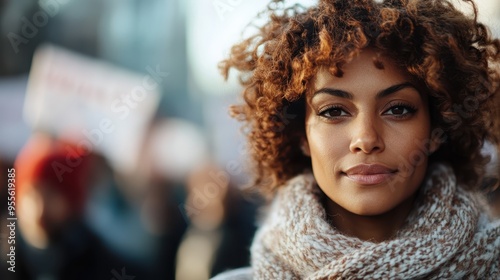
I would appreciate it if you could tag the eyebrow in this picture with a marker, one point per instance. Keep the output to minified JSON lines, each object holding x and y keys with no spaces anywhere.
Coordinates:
{"x":381,"y":94}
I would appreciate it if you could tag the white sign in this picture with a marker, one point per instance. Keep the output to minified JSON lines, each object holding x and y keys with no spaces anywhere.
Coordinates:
{"x":98,"y":106}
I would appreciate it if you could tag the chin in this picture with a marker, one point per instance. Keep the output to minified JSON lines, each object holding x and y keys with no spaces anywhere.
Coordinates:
{"x":367,"y":211}
{"x":369,"y":208}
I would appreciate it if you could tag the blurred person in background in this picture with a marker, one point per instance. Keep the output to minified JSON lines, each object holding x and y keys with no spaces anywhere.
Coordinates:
{"x":52,"y":181}
{"x":221,"y":225}
{"x":173,"y":149}
{"x":138,"y":213}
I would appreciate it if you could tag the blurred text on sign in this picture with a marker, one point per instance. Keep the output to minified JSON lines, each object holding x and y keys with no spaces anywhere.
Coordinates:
{"x":100,"y":107}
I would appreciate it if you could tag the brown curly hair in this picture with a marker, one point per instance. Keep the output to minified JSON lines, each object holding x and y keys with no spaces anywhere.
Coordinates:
{"x":451,"y":53}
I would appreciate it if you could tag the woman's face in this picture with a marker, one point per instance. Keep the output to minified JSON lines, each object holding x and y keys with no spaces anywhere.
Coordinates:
{"x":368,"y":135}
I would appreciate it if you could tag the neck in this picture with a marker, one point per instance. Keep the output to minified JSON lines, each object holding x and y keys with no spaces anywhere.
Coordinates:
{"x":376,"y":228}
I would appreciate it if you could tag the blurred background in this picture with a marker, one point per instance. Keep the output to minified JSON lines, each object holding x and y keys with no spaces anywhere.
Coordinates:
{"x":123,"y":99}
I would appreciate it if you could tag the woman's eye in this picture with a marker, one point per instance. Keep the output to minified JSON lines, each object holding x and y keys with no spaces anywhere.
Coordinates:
{"x":400,"y":110}
{"x":333,"y":112}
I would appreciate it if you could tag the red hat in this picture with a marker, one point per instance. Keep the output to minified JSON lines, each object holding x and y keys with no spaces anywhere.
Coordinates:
{"x":57,"y":165}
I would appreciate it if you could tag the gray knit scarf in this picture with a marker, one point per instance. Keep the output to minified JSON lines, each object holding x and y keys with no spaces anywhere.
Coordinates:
{"x":447,"y":236}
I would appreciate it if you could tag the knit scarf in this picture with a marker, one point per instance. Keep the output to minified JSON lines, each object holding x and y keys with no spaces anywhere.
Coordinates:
{"x":446,"y":236}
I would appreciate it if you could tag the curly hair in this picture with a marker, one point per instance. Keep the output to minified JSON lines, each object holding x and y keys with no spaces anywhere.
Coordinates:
{"x":451,"y":53}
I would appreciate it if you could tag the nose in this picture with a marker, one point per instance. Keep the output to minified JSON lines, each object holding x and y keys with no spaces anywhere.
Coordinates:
{"x":366,"y":136}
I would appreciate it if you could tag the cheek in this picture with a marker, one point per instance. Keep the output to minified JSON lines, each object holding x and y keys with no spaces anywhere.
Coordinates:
{"x":327,"y":144}
{"x":410,"y":145}
{"x":30,"y":206}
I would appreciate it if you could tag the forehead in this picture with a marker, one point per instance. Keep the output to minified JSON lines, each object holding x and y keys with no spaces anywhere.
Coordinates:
{"x":367,"y":70}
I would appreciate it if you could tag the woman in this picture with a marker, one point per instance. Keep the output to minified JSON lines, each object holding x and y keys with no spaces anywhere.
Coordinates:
{"x":366,"y":122}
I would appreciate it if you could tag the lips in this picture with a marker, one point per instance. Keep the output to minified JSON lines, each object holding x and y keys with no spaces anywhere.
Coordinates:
{"x":369,"y":174}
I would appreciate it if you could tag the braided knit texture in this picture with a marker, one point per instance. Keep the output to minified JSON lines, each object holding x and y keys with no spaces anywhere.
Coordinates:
{"x":446,"y":236}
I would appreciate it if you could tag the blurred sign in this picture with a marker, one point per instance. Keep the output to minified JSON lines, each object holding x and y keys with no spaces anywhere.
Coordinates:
{"x":98,"y":106}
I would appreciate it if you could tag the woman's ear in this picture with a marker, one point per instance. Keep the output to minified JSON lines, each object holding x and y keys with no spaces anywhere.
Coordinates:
{"x":437,"y":138}
{"x":304,"y":146}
